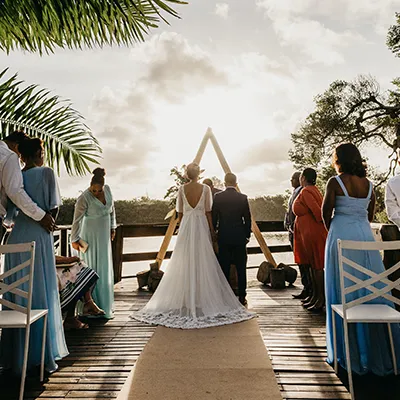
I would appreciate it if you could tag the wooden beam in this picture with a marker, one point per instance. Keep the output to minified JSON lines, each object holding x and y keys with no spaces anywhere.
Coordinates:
{"x":167,"y":238}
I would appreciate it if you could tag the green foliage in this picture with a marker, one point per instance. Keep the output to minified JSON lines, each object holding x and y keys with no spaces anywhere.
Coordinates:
{"x":356,"y":112}
{"x":41,"y":26}
{"x":269,"y":208}
{"x":67,"y":139}
{"x":145,"y":210}
{"x":180,"y":179}
{"x":393,"y":37}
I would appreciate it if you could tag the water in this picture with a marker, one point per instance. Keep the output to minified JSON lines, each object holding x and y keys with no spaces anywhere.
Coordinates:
{"x":147,"y":244}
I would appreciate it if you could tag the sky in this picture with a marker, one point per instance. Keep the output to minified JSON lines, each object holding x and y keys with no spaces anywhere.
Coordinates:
{"x":249,"y":70}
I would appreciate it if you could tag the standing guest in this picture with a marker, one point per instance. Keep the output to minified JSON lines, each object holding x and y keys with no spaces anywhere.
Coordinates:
{"x":11,"y":183}
{"x":41,"y":185}
{"x":351,"y":197}
{"x":392,"y":199}
{"x":289,"y":226}
{"x":210,"y":184}
{"x":231,"y":218}
{"x":392,"y":205}
{"x":95,"y":223}
{"x":310,"y":236}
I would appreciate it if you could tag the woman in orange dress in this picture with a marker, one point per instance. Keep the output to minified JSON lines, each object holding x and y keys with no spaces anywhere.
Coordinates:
{"x":310,"y":236}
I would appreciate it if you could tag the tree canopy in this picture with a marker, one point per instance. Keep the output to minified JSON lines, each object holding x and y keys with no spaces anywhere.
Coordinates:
{"x":358,"y":112}
{"x":393,"y":37}
{"x":41,"y":26}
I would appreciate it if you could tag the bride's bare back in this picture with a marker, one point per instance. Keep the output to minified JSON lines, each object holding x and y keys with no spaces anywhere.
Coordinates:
{"x":193,"y":192}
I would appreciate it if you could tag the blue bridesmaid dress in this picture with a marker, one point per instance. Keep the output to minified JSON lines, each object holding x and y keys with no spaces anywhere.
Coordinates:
{"x":41,"y":185}
{"x":369,"y":343}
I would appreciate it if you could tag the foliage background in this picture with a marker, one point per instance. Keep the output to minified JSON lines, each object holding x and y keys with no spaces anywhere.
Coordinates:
{"x":145,"y":210}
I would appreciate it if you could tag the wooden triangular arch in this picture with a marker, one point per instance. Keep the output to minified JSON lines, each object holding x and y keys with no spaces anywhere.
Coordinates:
{"x":209,"y":136}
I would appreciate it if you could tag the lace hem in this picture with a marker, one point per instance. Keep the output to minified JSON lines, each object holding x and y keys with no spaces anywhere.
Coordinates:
{"x":171,"y":320}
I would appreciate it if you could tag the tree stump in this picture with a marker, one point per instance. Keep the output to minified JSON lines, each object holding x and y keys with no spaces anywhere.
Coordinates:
{"x":142,"y":278}
{"x":154,"y":279}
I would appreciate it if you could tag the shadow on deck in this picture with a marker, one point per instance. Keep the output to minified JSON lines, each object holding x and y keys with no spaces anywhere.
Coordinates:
{"x":101,"y":357}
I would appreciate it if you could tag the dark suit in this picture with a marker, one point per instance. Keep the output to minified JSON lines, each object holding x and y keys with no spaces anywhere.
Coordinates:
{"x":232,"y":220}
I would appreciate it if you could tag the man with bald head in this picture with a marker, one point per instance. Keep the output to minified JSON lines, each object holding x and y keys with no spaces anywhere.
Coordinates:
{"x":232,"y":222}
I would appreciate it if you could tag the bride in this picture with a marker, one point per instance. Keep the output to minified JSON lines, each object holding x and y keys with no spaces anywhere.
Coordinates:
{"x":193,"y":292}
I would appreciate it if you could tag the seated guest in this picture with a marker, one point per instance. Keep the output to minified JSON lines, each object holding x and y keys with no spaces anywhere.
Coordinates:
{"x":41,"y":185}
{"x":210,"y":183}
{"x":310,"y":236}
{"x":76,"y":282}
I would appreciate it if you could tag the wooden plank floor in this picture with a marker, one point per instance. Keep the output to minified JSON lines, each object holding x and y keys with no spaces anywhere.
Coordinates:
{"x":101,"y":358}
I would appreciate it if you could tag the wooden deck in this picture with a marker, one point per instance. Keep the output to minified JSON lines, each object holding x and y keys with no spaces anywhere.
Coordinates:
{"x":102,"y":357}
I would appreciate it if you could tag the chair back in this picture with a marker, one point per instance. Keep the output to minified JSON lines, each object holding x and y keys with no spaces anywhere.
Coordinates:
{"x":349,"y":269}
{"x":14,"y":287}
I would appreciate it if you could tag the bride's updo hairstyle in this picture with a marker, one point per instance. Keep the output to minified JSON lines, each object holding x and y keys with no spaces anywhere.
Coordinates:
{"x":347,"y":159}
{"x":98,"y":177}
{"x":193,"y":171}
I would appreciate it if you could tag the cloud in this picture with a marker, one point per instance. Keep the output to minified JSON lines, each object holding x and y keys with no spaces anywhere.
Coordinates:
{"x":222,"y":10}
{"x":175,"y":68}
{"x":304,"y":25}
{"x":268,"y":152}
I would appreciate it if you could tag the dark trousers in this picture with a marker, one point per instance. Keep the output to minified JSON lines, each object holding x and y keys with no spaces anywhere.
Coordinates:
{"x":234,"y":254}
{"x":305,"y":272}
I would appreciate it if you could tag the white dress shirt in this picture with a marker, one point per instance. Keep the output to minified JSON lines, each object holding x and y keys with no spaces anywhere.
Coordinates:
{"x":392,"y":199}
{"x":12,"y":186}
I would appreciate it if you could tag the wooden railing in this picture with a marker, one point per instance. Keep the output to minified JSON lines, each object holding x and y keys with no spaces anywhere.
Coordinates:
{"x":154,"y":230}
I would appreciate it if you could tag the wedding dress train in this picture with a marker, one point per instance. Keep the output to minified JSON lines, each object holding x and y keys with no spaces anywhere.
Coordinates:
{"x":193,"y":292}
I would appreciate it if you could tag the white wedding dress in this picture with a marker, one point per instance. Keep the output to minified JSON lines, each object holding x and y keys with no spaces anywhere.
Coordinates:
{"x":193,"y":292}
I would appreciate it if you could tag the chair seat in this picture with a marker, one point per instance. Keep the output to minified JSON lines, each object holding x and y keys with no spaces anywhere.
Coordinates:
{"x":370,"y":313}
{"x":17,"y":319}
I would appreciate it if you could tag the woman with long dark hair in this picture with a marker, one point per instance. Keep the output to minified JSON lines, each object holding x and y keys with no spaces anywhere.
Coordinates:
{"x":351,"y":196}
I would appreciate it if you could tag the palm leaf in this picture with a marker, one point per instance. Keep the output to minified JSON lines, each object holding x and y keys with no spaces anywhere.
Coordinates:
{"x":67,"y":139}
{"x":41,"y":26}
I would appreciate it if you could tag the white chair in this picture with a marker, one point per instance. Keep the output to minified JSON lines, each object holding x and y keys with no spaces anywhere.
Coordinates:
{"x":19,"y":316}
{"x":355,"y":311}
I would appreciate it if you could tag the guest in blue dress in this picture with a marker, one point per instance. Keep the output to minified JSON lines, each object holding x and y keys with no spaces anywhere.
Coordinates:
{"x":351,"y":197}
{"x":41,"y":185}
{"x":95,"y":223}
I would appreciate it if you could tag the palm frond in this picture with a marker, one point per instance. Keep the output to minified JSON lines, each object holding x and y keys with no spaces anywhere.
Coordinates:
{"x":41,"y":26}
{"x":38,"y":113}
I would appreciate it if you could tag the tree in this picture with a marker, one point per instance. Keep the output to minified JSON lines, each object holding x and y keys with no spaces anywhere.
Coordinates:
{"x":66,"y":138}
{"x":41,"y":26}
{"x":357,"y":112}
{"x":393,"y":37}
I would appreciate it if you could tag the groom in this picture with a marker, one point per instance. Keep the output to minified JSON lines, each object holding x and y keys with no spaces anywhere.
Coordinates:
{"x":232,"y":222}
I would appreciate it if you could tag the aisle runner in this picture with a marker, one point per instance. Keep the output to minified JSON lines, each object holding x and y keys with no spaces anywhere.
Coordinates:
{"x":227,"y":362}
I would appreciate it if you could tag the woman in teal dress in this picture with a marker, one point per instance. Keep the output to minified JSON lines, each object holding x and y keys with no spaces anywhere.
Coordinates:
{"x":351,"y":197}
{"x":95,"y":223}
{"x":41,"y":185}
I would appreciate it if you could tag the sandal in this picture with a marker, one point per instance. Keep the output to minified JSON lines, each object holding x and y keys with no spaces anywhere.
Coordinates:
{"x":92,"y":310}
{"x":74,"y":323}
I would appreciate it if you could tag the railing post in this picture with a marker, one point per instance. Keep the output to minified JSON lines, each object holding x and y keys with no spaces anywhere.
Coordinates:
{"x":117,"y":252}
{"x":64,"y":242}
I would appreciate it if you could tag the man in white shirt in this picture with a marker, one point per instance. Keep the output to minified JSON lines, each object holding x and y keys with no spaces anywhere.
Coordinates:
{"x":11,"y":183}
{"x":392,"y":199}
